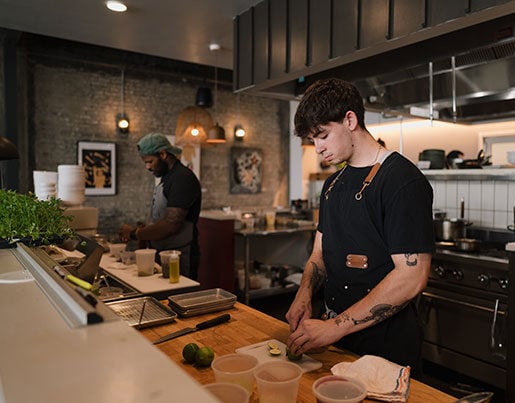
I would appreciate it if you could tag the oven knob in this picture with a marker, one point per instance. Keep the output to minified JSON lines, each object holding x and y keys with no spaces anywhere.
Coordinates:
{"x":458,"y":274}
{"x":503,"y":283}
{"x":440,"y":271}
{"x":483,"y":279}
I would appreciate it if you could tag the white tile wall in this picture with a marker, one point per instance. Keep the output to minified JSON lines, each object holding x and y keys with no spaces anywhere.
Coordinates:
{"x":488,"y":203}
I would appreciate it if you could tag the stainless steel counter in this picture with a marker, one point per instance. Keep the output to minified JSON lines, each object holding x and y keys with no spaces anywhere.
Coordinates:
{"x":45,"y":359}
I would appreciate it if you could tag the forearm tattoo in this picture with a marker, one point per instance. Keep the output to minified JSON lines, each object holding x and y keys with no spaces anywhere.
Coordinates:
{"x":341,"y":318}
{"x":411,"y":259}
{"x":317,"y":277}
{"x":379,"y":313}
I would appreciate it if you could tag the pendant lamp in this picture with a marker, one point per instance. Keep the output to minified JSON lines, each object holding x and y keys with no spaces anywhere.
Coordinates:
{"x":192,"y":126}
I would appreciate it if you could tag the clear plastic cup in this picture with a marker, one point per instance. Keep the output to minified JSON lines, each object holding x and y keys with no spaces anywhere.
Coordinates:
{"x":270,"y":218}
{"x":145,"y":261}
{"x":278,"y":381}
{"x":228,"y":392}
{"x":128,"y":257}
{"x":235,"y":368}
{"x":116,"y":248}
{"x":339,"y":389}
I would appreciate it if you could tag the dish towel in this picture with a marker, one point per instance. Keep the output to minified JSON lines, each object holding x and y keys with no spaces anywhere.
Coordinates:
{"x":385,"y":380}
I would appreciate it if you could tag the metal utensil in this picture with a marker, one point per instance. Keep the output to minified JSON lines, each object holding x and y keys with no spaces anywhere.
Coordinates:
{"x":200,"y":326}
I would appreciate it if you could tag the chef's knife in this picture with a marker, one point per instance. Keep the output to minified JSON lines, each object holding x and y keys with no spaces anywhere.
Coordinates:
{"x":200,"y":326}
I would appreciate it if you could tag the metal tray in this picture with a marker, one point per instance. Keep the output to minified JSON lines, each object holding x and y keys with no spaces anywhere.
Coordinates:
{"x":204,"y":299}
{"x":201,"y":311}
{"x":154,"y":312}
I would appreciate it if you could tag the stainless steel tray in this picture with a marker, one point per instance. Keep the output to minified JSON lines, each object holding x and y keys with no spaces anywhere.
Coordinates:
{"x":204,"y":299}
{"x":201,"y":311}
{"x":154,"y":312}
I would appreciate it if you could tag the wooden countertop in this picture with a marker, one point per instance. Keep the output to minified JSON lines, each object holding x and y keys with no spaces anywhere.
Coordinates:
{"x":248,"y":326}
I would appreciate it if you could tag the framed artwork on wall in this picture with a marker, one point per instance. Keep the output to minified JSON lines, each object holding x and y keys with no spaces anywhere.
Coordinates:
{"x":99,"y":162}
{"x":245,"y":170}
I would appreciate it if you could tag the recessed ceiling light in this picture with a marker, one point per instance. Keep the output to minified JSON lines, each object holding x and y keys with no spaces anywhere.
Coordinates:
{"x":117,"y":6}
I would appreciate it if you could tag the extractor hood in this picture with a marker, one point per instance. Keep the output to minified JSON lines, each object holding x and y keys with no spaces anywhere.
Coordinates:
{"x":466,"y":75}
{"x":475,"y":85}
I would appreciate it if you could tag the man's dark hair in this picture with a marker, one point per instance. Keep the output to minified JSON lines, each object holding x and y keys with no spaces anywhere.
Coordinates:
{"x":327,"y":101}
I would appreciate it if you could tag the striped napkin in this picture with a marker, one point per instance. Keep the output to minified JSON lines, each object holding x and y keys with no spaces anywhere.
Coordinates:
{"x":385,"y":380}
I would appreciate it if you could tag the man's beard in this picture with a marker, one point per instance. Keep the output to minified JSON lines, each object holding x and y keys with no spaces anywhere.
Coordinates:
{"x":161,"y":169}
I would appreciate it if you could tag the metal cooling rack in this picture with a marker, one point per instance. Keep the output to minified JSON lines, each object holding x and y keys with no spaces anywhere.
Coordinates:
{"x":142,"y":311}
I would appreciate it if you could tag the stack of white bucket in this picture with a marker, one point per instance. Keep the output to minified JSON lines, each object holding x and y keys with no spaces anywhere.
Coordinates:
{"x":71,"y":186}
{"x":45,"y":184}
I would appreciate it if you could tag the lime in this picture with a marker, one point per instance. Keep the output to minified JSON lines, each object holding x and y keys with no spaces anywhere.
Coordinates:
{"x":204,"y":356}
{"x":272,"y":345}
{"x":189,"y":351}
{"x":293,"y":357}
{"x":275,"y":351}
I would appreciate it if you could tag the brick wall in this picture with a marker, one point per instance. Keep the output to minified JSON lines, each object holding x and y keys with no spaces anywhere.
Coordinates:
{"x":74,"y":102}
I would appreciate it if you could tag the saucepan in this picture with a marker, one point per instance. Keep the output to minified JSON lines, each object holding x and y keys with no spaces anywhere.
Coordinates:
{"x":468,"y":244}
{"x":449,"y":229}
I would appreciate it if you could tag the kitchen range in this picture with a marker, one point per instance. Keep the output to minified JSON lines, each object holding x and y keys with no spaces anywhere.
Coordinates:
{"x":464,"y":308}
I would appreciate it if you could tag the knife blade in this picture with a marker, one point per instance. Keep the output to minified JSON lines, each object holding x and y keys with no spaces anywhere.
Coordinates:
{"x":199,"y":326}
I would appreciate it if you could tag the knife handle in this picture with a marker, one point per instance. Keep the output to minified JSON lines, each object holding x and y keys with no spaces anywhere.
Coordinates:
{"x":212,"y":322}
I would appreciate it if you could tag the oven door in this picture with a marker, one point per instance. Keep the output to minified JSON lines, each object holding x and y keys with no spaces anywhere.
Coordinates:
{"x":466,"y":332}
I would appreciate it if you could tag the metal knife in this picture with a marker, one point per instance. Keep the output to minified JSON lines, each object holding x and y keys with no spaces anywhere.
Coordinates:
{"x":200,"y":326}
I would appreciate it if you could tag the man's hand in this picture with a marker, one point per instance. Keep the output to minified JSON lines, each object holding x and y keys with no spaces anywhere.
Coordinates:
{"x":313,"y":333}
{"x":300,"y":309}
{"x":125,"y":232}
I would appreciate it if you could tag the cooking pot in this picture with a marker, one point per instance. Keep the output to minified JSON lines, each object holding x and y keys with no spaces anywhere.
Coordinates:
{"x":437,"y":158}
{"x":449,"y":229}
{"x":468,"y":244}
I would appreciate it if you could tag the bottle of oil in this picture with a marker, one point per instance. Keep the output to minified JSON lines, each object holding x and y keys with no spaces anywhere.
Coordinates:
{"x":174,"y":266}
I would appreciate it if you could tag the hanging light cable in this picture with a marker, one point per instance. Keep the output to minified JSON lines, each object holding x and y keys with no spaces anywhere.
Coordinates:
{"x":122,"y":120}
{"x":216,"y":134}
{"x":239,"y":131}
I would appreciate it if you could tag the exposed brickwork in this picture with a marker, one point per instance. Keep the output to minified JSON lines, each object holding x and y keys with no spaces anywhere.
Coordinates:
{"x":71,"y":103}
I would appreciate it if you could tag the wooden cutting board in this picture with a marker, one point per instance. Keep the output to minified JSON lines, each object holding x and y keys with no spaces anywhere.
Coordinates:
{"x":262,"y":352}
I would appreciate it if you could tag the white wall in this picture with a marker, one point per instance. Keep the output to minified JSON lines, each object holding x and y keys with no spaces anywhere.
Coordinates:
{"x":489,"y":203}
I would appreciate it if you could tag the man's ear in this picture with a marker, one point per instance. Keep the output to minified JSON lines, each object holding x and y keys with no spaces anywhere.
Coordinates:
{"x":351,"y":120}
{"x":163,"y":155}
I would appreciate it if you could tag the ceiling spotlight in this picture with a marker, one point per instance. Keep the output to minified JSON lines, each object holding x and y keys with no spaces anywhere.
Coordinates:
{"x":117,"y":6}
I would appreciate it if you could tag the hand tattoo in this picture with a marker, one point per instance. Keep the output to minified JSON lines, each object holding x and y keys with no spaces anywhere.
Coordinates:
{"x":411,"y":259}
{"x":380,"y":313}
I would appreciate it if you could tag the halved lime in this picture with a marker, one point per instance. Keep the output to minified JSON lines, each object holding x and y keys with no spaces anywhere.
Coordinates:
{"x":272,"y":346}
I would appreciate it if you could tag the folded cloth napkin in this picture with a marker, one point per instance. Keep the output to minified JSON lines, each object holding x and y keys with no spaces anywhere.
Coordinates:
{"x":385,"y":380}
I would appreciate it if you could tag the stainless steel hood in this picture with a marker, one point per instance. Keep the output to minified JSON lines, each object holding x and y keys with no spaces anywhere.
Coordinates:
{"x":394,"y":77}
{"x":477,"y":85}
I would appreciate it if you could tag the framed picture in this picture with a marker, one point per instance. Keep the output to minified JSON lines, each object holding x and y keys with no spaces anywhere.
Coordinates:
{"x":99,"y":162}
{"x":245,"y":170}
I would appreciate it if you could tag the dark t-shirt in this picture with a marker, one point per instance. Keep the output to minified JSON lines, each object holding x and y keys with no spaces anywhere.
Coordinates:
{"x":182,"y":189}
{"x":394,"y":216}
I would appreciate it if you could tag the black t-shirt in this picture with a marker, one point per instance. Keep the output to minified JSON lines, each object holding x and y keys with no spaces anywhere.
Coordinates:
{"x":182,"y":189}
{"x":394,"y":216}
